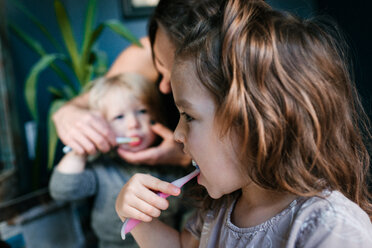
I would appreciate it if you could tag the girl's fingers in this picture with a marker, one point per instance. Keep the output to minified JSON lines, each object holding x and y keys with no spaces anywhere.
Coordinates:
{"x":145,"y":208}
{"x":131,"y":210}
{"x":139,"y":215}
{"x":156,"y":184}
{"x":138,"y":200}
{"x":153,"y":199}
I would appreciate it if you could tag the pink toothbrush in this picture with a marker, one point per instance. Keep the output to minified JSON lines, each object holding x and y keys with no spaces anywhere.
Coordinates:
{"x":129,"y":223}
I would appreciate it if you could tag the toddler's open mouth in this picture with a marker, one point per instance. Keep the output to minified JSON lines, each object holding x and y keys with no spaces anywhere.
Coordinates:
{"x":136,"y":141}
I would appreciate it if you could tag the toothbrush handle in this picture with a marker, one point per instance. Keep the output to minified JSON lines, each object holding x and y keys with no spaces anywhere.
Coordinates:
{"x":130,"y":223}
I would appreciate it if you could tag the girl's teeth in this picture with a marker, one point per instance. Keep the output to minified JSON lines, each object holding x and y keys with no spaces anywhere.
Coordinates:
{"x":194,"y":164}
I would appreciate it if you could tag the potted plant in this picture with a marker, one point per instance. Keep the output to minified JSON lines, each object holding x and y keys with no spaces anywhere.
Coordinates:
{"x":80,"y":62}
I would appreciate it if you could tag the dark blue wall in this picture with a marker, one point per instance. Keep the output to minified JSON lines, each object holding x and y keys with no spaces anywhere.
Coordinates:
{"x":303,"y":8}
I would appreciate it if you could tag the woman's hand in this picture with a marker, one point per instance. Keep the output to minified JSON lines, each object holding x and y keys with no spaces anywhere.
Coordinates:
{"x":168,"y":152}
{"x":83,"y":130}
{"x":138,"y":200}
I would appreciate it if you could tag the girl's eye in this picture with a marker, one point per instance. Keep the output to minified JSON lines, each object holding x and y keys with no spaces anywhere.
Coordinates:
{"x":187,"y":117}
{"x":119,"y":117}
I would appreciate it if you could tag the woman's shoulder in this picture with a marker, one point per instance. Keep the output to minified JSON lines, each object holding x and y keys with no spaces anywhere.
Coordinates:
{"x":331,"y":219}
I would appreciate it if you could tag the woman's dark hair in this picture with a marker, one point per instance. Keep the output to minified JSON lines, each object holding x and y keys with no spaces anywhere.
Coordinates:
{"x":169,"y":13}
{"x":173,"y":16}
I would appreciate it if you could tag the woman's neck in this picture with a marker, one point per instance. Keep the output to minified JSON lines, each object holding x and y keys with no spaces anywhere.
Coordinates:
{"x":257,"y":205}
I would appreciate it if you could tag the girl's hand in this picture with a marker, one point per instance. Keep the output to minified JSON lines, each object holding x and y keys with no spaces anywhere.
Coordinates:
{"x":168,"y":152}
{"x":84,"y":131}
{"x":138,"y":200}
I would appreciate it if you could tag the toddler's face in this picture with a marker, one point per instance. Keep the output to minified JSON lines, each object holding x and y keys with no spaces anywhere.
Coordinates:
{"x":197,"y":130}
{"x":129,"y":117}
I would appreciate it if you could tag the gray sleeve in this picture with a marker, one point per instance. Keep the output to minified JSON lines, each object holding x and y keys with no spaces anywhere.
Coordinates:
{"x":195,"y":224}
{"x":69,"y":187}
{"x":337,"y":224}
{"x":337,"y":233}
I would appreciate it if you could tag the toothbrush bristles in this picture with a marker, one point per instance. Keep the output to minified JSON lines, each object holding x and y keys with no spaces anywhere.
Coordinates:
{"x":125,"y":140}
{"x":194,"y":164}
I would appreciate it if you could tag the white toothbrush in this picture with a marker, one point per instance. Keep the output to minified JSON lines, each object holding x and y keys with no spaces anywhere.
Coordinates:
{"x":119,"y":140}
{"x":129,"y":223}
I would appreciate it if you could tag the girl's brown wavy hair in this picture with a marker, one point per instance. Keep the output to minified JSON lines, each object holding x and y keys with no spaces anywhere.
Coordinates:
{"x":282,"y":85}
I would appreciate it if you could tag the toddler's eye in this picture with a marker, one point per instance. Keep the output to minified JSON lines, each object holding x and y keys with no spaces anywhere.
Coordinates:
{"x":142,"y":111}
{"x":119,"y":117}
{"x":187,"y":117}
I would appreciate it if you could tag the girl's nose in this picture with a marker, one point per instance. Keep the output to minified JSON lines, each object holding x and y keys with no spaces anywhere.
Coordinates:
{"x":178,"y":134}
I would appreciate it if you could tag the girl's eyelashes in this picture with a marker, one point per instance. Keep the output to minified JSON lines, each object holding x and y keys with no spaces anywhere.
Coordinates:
{"x":187,"y":117}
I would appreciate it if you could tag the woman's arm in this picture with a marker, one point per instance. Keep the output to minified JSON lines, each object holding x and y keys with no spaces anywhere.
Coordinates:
{"x":136,"y":59}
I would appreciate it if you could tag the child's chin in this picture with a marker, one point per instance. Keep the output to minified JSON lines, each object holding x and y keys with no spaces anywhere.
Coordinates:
{"x":214,"y":195}
{"x":135,"y":149}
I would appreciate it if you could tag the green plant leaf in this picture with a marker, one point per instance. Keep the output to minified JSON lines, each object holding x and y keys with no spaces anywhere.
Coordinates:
{"x":88,"y":27}
{"x":33,"y":44}
{"x":114,"y":25}
{"x":85,"y":51}
{"x":68,"y":37}
{"x":30,"y":89}
{"x":37,"y":23}
{"x":121,"y":30}
{"x":69,"y":93}
{"x":52,"y":132}
{"x":101,"y":63}
{"x":55,"y":91}
{"x":90,"y":42}
{"x":117,"y":27}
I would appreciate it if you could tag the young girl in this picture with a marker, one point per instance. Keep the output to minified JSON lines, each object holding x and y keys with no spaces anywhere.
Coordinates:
{"x":129,"y":104}
{"x":269,"y":114}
